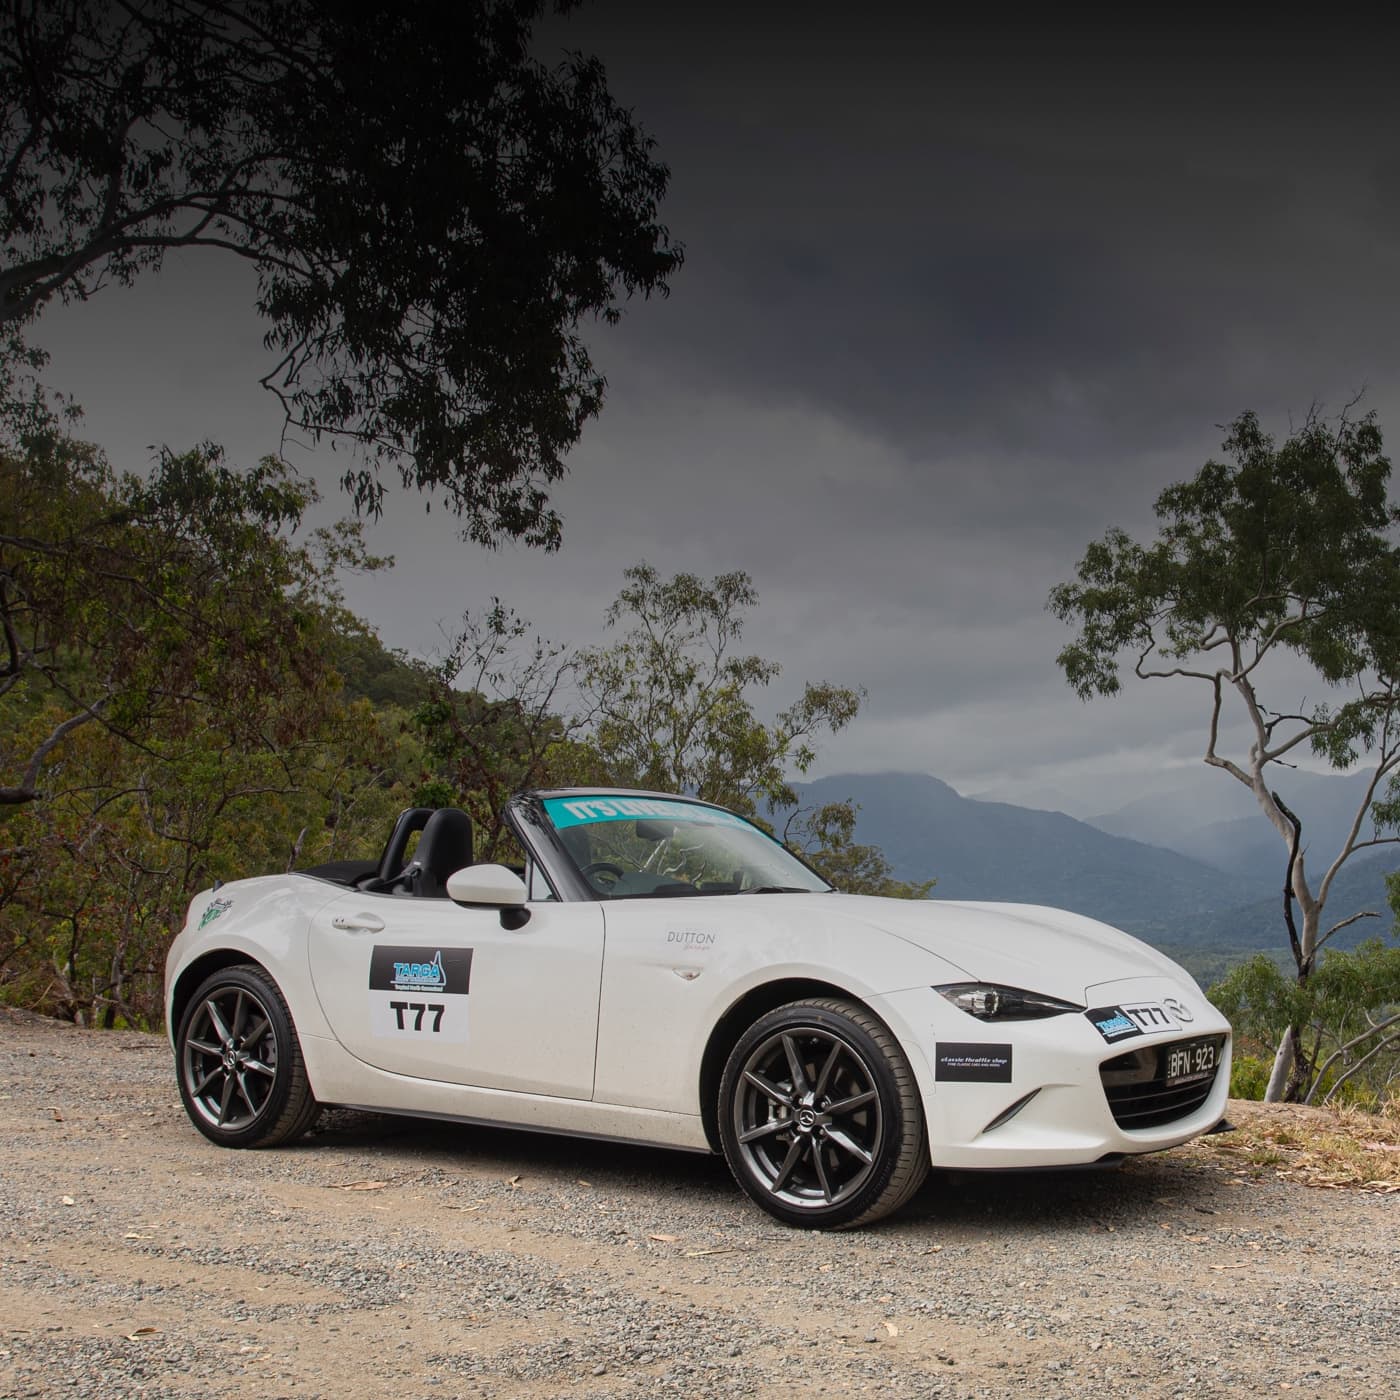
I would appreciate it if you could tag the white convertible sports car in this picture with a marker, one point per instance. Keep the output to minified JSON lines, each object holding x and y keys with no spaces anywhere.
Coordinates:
{"x":661,"y":971}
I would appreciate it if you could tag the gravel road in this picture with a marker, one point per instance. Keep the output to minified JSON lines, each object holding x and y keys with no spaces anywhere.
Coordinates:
{"x":385,"y":1257}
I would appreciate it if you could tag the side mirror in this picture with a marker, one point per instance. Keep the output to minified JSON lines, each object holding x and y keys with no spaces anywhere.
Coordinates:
{"x":493,"y":885}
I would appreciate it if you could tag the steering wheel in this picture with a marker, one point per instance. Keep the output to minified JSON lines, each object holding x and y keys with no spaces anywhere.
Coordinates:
{"x":603,"y":867}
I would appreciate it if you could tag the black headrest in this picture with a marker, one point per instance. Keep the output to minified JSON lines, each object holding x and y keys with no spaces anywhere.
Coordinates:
{"x":445,"y":846}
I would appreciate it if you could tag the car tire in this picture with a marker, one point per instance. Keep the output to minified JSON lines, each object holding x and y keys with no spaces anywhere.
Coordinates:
{"x":820,"y":1118}
{"x":239,"y":1064}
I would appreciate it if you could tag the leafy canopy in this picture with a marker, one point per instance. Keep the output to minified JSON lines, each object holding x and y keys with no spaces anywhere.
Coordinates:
{"x":672,"y":701}
{"x":1282,"y":547}
{"x":145,"y":606}
{"x":432,"y":214}
{"x":1348,"y":1012}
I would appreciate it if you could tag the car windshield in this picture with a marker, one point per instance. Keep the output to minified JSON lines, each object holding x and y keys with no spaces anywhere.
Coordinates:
{"x":648,"y":847}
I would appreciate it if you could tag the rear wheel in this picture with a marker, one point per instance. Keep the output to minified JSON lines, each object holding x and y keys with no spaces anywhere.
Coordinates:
{"x":819,"y":1116}
{"x":242,"y":1077}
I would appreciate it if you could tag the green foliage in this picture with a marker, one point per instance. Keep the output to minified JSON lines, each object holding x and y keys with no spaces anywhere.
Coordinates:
{"x":430,"y":225}
{"x":491,"y":725}
{"x":167,"y":714}
{"x":142,"y":605}
{"x":186,"y":699}
{"x":671,"y":703}
{"x":371,"y":671}
{"x":1284,"y":548}
{"x":1249,"y":1077}
{"x":825,"y":838}
{"x":1347,"y":1011}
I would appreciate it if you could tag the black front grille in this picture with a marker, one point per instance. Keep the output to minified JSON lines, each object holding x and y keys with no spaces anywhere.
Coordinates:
{"x":1138,"y":1093}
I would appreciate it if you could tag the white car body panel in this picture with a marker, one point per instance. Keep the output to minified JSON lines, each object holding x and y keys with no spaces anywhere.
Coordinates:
{"x":529,"y":1022}
{"x":341,"y":1078}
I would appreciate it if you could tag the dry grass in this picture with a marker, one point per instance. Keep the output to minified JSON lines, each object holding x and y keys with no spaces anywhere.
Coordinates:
{"x":1332,"y":1148}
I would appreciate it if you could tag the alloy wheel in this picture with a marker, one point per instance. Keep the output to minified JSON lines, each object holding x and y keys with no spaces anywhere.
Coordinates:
{"x":229,"y":1058}
{"x":807,"y":1117}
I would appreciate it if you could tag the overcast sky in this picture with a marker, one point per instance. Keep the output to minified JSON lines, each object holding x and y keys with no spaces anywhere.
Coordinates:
{"x":954,"y":303}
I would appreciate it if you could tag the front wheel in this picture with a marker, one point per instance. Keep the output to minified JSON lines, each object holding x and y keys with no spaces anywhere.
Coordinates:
{"x":819,"y":1116}
{"x":242,"y":1077}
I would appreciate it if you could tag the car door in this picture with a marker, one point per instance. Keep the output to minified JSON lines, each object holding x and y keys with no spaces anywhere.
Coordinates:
{"x":425,"y":987}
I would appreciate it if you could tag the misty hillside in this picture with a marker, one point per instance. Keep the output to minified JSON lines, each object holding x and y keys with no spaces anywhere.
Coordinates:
{"x":993,"y":850}
{"x":997,"y":851}
{"x":1212,"y":818}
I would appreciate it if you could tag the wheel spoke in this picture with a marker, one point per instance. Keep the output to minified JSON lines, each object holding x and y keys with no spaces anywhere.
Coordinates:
{"x":225,"y":1099}
{"x":203,"y":1046}
{"x":825,"y":1076}
{"x":851,"y":1104}
{"x":847,"y":1143}
{"x":819,"y":1162}
{"x":216,"y":1020}
{"x":235,"y":1025}
{"x":768,"y":1088}
{"x":208,"y":1079}
{"x":245,"y":1095}
{"x":795,"y":1066}
{"x":789,"y":1162}
{"x":773,"y":1125}
{"x":258,"y":1067}
{"x":249,"y":1037}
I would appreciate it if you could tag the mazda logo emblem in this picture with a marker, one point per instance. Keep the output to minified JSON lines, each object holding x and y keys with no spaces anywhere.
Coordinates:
{"x":1177,"y":1009}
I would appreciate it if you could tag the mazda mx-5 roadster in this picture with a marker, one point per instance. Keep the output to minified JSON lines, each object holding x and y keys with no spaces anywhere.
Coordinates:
{"x":659,"y":970}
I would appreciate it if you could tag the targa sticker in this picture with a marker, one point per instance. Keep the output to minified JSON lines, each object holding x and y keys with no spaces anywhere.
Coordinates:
{"x":420,"y":993}
{"x":1113,"y":1023}
{"x":972,"y":1063}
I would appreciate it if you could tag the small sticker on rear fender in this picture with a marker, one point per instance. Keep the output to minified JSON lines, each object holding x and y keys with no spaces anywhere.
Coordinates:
{"x":971,"y":1063}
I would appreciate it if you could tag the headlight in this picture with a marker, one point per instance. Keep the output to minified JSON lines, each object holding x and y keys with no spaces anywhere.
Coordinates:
{"x":989,"y":1002}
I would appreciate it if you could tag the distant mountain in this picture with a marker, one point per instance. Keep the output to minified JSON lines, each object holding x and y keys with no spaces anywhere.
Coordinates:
{"x":996,"y":851}
{"x":1260,"y":923}
{"x":1214,"y":819}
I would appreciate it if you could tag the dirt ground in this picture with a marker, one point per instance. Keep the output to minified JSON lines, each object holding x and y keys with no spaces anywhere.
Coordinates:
{"x":391,"y":1257}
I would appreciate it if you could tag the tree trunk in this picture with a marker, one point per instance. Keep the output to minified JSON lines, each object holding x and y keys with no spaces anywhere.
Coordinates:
{"x":1283,"y":1066}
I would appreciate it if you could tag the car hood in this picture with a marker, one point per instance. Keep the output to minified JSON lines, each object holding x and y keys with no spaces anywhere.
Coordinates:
{"x":1019,"y":945}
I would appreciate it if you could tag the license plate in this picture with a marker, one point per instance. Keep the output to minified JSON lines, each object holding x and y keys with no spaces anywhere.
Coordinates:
{"x":1191,"y":1059}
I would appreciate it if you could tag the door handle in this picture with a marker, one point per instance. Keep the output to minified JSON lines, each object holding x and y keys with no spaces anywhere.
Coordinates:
{"x":357,"y":923}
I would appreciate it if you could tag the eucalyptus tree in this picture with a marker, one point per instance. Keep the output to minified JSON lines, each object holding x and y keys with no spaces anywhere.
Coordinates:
{"x":1281,"y":551}
{"x":672,"y":703}
{"x":434,"y":215}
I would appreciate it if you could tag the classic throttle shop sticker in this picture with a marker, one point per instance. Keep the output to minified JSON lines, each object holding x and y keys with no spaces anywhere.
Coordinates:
{"x":420,"y":992}
{"x":973,"y":1063}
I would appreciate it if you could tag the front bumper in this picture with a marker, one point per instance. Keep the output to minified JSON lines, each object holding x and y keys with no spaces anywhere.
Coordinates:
{"x":1036,"y":1097}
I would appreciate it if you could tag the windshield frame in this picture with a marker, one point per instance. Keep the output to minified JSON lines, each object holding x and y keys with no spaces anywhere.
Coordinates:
{"x":530,"y":818}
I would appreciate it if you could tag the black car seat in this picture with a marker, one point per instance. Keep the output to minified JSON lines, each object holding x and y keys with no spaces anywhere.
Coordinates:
{"x":393,"y":859}
{"x":444,"y":846}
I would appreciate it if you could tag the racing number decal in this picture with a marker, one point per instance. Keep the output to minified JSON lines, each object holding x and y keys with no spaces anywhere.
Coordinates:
{"x":436,"y":1008}
{"x":420,"y":993}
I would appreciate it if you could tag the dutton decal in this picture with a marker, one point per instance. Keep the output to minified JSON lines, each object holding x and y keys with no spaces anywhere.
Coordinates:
{"x":420,"y":993}
{"x":691,"y":937}
{"x":1113,"y":1023}
{"x":972,"y":1063}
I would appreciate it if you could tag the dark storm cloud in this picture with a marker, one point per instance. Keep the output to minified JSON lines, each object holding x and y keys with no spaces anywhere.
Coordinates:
{"x":1074,"y":240}
{"x":957,"y":299}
